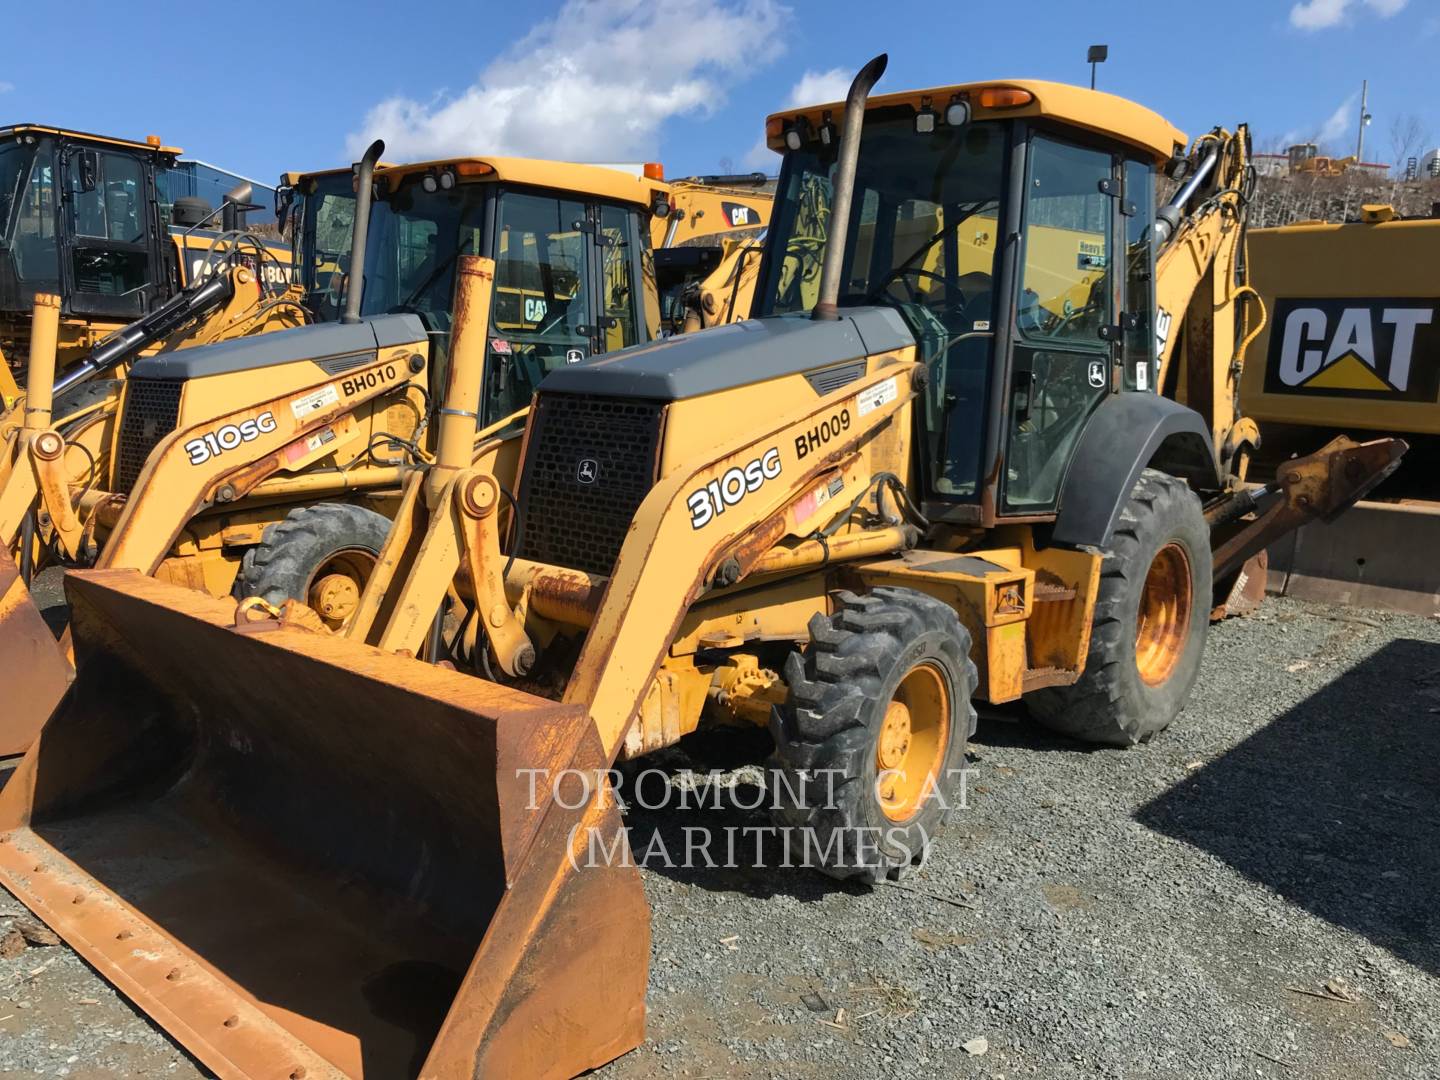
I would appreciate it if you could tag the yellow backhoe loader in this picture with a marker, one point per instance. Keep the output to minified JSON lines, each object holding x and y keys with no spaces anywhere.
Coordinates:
{"x":906,"y":486}
{"x":311,"y":430}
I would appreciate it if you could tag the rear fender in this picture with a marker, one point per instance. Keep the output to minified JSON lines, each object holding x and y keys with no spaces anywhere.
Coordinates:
{"x":1127,"y":434}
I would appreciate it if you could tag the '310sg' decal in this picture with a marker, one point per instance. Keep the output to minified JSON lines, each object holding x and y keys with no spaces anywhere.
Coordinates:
{"x":711,"y":500}
{"x":214,"y":443}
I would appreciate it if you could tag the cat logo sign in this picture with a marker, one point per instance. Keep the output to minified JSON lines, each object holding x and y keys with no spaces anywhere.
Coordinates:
{"x":739,"y":216}
{"x":1356,"y":348}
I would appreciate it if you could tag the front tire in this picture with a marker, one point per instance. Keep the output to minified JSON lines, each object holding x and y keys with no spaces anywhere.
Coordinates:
{"x":1151,"y":619}
{"x":870,"y":747}
{"x":320,"y":555}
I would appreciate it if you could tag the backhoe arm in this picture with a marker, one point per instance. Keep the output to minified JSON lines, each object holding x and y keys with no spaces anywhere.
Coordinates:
{"x":1200,"y":285}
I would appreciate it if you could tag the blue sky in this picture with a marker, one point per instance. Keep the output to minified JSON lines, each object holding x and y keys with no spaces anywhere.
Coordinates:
{"x":683,"y":81}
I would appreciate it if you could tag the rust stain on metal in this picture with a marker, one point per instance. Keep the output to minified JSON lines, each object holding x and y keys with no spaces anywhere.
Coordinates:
{"x":567,"y":596}
{"x":489,"y":907}
{"x":1321,"y":485}
{"x":34,"y":670}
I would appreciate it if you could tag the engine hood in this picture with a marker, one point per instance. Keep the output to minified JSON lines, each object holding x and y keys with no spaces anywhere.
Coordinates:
{"x":726,"y":357}
{"x":331,"y":345}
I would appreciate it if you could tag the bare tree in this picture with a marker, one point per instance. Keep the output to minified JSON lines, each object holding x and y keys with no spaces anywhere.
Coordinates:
{"x":1408,"y":136}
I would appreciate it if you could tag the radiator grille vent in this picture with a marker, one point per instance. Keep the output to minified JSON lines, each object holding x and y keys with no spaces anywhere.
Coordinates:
{"x":833,"y":378}
{"x":152,"y":409}
{"x":589,"y":464}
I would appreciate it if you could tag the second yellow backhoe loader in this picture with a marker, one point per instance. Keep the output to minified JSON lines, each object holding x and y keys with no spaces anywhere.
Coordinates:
{"x":905,"y":484}
{"x":285,"y":452}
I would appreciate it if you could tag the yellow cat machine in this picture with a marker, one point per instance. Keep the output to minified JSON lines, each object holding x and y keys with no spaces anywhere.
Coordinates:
{"x":839,"y":520}
{"x":113,"y":227}
{"x":708,"y":248}
{"x":1353,"y":343}
{"x":572,"y":281}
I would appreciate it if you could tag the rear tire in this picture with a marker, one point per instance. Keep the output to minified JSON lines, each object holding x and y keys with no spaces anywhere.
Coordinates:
{"x":1151,"y":619}
{"x":320,"y":555}
{"x":869,"y":748}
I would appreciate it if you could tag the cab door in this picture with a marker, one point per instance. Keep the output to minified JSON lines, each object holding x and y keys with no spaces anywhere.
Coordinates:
{"x":109,"y":258}
{"x":1065,"y":340}
{"x":566,"y":289}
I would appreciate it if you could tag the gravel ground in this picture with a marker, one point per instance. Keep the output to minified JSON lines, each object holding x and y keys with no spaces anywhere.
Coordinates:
{"x":1176,"y":910}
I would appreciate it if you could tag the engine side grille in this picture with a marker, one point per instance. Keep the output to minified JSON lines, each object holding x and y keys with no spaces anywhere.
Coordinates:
{"x":589,"y":464}
{"x":151,"y":411}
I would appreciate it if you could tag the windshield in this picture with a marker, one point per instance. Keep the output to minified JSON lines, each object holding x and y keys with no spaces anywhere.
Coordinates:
{"x":14,"y":164}
{"x":923,"y":220}
{"x":416,"y":239}
{"x":922,"y":238}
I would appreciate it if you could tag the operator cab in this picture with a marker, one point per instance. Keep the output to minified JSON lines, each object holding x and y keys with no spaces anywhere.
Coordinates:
{"x":90,"y":218}
{"x":1018,"y":248}
{"x":569,"y":265}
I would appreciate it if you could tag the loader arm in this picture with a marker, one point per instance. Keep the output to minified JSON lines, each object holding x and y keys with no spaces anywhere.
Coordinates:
{"x":642,"y":607}
{"x":222,"y":459}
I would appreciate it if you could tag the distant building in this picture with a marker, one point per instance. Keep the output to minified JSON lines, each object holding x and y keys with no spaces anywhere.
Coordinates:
{"x":1430,"y":163}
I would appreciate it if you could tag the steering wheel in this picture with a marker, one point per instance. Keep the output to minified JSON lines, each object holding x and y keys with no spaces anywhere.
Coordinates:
{"x":1062,"y":322}
{"x":903,"y":274}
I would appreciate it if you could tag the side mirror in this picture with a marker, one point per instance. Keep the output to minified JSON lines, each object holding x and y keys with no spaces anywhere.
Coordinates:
{"x":284,"y":200}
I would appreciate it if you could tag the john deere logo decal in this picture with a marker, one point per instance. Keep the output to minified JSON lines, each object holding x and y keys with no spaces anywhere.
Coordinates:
{"x":587,"y":471}
{"x":1356,"y":348}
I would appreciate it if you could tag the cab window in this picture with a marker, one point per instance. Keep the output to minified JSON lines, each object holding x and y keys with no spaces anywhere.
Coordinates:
{"x":542,"y":315}
{"x":1141,"y":342}
{"x":1062,"y":364}
{"x":110,"y":258}
{"x":34,"y":244}
{"x":1065,"y":284}
{"x":114,"y":208}
{"x":617,"y":252}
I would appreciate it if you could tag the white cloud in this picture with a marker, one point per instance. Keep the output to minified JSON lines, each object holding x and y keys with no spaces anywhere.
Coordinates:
{"x":6,"y":87}
{"x":820,"y":87}
{"x":1323,"y":14}
{"x":1338,"y":123}
{"x":594,"y":83}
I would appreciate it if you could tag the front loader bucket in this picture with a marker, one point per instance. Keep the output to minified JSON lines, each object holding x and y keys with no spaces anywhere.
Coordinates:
{"x":33,"y":671}
{"x":304,"y":857}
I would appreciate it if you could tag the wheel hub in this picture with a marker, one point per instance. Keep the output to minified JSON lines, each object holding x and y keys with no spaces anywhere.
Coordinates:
{"x":913,"y":739}
{"x":335,"y":596}
{"x":1162,"y":624}
{"x":894,"y":736}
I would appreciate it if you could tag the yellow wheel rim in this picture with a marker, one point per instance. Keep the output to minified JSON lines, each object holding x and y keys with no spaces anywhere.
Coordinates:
{"x":336,"y":585}
{"x":914,"y":736}
{"x":1162,"y":626}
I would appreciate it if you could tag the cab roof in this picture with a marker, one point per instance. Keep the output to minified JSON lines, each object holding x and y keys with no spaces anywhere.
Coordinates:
{"x":1075,"y":106}
{"x":597,"y":180}
{"x":109,"y":140}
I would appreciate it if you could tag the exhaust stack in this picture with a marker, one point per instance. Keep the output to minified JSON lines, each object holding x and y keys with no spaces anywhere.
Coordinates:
{"x":828,"y":306}
{"x":364,"y":186}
